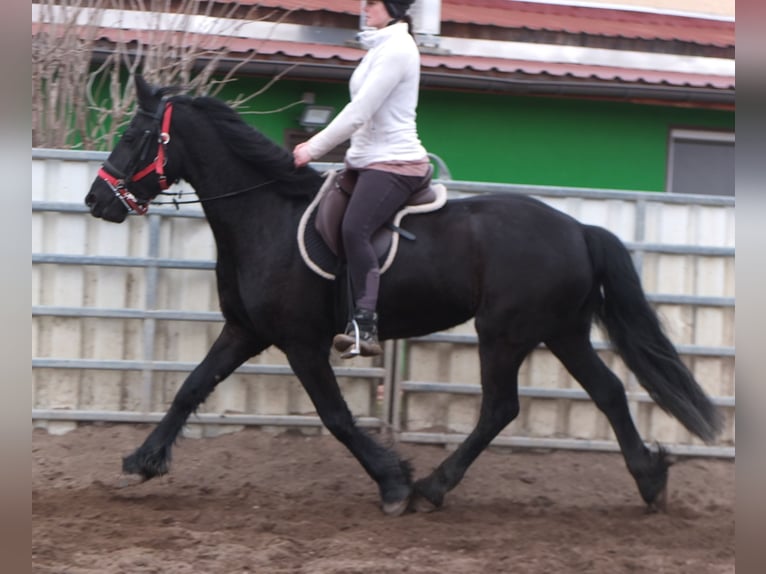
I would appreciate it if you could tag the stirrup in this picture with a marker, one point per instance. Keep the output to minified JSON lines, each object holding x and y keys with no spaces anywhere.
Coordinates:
{"x":355,"y":342}
{"x":355,"y":349}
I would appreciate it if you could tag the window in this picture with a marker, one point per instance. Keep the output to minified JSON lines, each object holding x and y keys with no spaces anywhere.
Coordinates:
{"x":700,"y":162}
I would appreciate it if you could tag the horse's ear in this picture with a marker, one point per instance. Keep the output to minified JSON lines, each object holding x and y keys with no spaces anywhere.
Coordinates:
{"x":145,"y":93}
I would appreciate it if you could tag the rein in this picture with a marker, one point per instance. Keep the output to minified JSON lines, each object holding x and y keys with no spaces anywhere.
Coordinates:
{"x":177,"y":202}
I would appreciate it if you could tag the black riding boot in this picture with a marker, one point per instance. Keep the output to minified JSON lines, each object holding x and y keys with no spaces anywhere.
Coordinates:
{"x":361,"y":336}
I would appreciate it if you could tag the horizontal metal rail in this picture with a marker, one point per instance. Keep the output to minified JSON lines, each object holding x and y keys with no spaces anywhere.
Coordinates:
{"x":469,"y":186}
{"x":169,"y":314}
{"x":69,"y":154}
{"x":119,"y":261}
{"x":68,"y":207}
{"x":184,"y":367}
{"x":213,"y":316}
{"x":106,"y":313}
{"x":698,"y":300}
{"x":531,"y":392}
{"x":465,"y":339}
{"x":480,"y":187}
{"x":680,"y":249}
{"x":564,"y":443}
{"x":201,"y":418}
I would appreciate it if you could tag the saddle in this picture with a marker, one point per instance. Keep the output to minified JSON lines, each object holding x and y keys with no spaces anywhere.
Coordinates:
{"x":319,"y":229}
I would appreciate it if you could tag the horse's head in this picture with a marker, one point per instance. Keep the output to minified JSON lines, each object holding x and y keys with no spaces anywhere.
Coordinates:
{"x":135,"y":171}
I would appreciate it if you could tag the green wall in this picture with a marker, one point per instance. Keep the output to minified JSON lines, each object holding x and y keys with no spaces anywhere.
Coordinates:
{"x":513,"y":139}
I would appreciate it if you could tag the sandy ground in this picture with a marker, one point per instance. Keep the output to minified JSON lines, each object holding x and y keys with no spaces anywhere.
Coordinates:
{"x":256,"y":501}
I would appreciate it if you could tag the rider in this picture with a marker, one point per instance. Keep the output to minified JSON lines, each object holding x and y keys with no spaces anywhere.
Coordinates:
{"x":386,"y":156}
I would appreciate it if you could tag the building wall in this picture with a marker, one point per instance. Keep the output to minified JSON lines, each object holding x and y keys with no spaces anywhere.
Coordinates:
{"x":526,"y":140}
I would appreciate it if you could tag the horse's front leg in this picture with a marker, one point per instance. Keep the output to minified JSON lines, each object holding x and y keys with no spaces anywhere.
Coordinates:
{"x":232,"y":348}
{"x":393,"y":475}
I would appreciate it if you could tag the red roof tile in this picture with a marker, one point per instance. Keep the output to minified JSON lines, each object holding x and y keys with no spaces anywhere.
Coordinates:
{"x":501,"y":13}
{"x":552,"y":17}
{"x":431,"y":62}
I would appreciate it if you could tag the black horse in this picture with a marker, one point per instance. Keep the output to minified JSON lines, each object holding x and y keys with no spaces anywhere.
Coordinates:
{"x":528,"y":274}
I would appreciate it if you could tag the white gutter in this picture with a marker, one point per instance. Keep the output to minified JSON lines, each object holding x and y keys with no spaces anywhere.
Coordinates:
{"x":555,"y":53}
{"x":636,"y":8}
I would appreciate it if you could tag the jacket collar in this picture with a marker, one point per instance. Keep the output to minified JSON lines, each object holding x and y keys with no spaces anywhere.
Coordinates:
{"x":374,"y":37}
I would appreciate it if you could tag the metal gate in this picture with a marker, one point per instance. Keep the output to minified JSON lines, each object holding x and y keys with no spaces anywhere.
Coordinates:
{"x":122,"y":313}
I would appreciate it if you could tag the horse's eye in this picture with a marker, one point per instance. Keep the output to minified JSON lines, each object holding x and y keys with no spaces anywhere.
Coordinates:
{"x":128,"y":138}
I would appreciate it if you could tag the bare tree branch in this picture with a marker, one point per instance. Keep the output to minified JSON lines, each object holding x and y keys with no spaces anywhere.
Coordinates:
{"x":85,"y":54}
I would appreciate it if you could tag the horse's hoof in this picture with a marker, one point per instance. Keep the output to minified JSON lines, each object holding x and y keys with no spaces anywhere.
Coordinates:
{"x":156,"y":463}
{"x":422,"y":504}
{"x":660,"y":503}
{"x":396,"y":508}
{"x":652,"y":479}
{"x":128,"y":480}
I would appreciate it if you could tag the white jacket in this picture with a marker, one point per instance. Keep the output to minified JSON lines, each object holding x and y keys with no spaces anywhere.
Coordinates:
{"x":380,"y":118}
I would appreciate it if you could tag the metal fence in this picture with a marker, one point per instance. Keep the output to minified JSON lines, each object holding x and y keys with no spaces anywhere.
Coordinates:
{"x":122,"y":313}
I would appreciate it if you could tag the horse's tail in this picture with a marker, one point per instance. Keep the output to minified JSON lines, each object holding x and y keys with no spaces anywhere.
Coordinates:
{"x":635,"y":330}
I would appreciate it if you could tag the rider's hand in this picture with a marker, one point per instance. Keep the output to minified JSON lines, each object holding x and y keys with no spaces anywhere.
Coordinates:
{"x":301,"y":154}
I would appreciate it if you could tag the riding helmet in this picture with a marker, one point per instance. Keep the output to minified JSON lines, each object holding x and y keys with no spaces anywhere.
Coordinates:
{"x":397,"y":8}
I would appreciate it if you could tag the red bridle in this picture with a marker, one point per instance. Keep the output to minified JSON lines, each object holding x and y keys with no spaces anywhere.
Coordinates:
{"x":119,"y":184}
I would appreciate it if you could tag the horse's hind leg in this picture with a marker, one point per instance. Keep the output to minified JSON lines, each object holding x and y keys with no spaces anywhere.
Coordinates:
{"x":232,"y":348}
{"x":500,"y":362}
{"x":649,"y":468}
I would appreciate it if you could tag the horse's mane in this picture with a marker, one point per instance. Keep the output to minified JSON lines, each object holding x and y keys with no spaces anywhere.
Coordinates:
{"x":252,"y":146}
